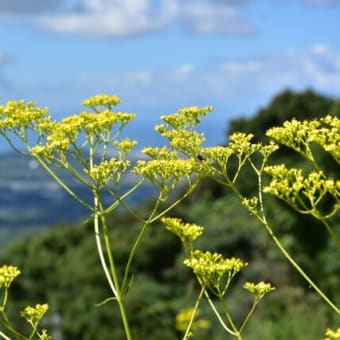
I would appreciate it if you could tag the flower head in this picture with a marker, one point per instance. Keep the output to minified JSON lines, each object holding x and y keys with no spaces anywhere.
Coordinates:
{"x":34,"y":314}
{"x":101,"y":100}
{"x":7,"y":275}
{"x":215,"y":271}
{"x":259,"y":289}
{"x":185,"y":231}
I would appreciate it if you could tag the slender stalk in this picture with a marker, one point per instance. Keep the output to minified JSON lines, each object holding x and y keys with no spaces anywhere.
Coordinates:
{"x":249,"y":315}
{"x":264,"y":221}
{"x":119,"y":297}
{"x":62,"y":184}
{"x":137,"y":243}
{"x":229,"y":318}
{"x":110,"y":271}
{"x":219,"y":316}
{"x":4,"y":336}
{"x":186,"y":335}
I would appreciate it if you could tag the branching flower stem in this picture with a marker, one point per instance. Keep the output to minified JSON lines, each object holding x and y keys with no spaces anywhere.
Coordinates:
{"x":110,"y":271}
{"x":61,"y":183}
{"x":137,"y":243}
{"x":186,"y":335}
{"x":264,"y":221}
{"x":219,"y":317}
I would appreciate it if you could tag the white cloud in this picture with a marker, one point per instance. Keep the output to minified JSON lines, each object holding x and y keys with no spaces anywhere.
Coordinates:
{"x":240,"y":84}
{"x":237,"y":83}
{"x":219,"y":17}
{"x":115,"y":18}
{"x":119,"y":18}
{"x":111,"y":18}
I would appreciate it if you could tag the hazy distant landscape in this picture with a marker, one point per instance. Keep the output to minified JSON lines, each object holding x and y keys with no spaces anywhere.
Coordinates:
{"x":31,"y":200}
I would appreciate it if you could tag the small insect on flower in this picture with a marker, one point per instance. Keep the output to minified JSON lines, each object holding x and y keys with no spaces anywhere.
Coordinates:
{"x":200,"y":158}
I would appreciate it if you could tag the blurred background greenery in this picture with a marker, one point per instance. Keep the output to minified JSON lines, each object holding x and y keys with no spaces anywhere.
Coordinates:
{"x":60,"y":265}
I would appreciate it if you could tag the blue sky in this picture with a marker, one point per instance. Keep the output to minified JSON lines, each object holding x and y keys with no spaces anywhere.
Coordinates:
{"x":161,"y":55}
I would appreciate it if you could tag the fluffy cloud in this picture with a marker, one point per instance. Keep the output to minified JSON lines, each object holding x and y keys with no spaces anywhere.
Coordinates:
{"x":207,"y":17}
{"x":236,"y":83}
{"x":110,"y":18}
{"x":119,"y":18}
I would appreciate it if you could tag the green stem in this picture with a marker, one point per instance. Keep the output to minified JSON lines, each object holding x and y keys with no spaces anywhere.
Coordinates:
{"x":110,"y":271}
{"x":113,"y":270}
{"x":252,"y":309}
{"x":116,"y":203}
{"x":186,"y":334}
{"x":229,"y":318}
{"x":330,"y":231}
{"x":137,"y":243}
{"x":263,"y":219}
{"x":4,"y":336}
{"x":216,"y":312}
{"x":62,"y":184}
{"x":191,"y":189}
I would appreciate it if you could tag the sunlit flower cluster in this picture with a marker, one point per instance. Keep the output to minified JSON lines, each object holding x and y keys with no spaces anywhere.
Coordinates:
{"x":213,"y":270}
{"x":18,"y":117}
{"x":185,"y":231}
{"x":259,"y":289}
{"x":99,"y":101}
{"x":332,"y":335}
{"x":108,"y":170}
{"x":298,"y":135}
{"x":184,"y":316}
{"x":124,"y":146}
{"x":241,"y":144}
{"x":217,"y":154}
{"x":302,"y":193}
{"x":84,"y":129}
{"x":162,"y":153}
{"x":187,"y":118}
{"x":251,"y":204}
{"x":7,"y":275}
{"x":166,"y":174}
{"x":188,"y":142}
{"x":179,"y":129}
{"x":34,"y":314}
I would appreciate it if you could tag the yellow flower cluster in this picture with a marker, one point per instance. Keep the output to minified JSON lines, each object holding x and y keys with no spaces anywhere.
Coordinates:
{"x":251,"y":204}
{"x":184,"y":316}
{"x":101,"y":100}
{"x":124,"y":146}
{"x":166,"y":174}
{"x":211,"y":268}
{"x":185,"y":231}
{"x":259,"y":289}
{"x":17,"y":115}
{"x":187,"y":118}
{"x":160,"y":153}
{"x":61,"y":136}
{"x":7,"y":275}
{"x":302,"y":193}
{"x":179,"y":129}
{"x":108,"y":170}
{"x":332,"y":335}
{"x":298,"y":135}
{"x":34,"y":314}
{"x":241,"y":144}
{"x":188,"y":142}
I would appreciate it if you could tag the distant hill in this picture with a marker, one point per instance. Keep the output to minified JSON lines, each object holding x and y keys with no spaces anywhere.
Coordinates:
{"x":30,"y":198}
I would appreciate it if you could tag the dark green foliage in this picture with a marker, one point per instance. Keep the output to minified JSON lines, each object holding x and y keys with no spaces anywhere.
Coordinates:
{"x":285,"y":106}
